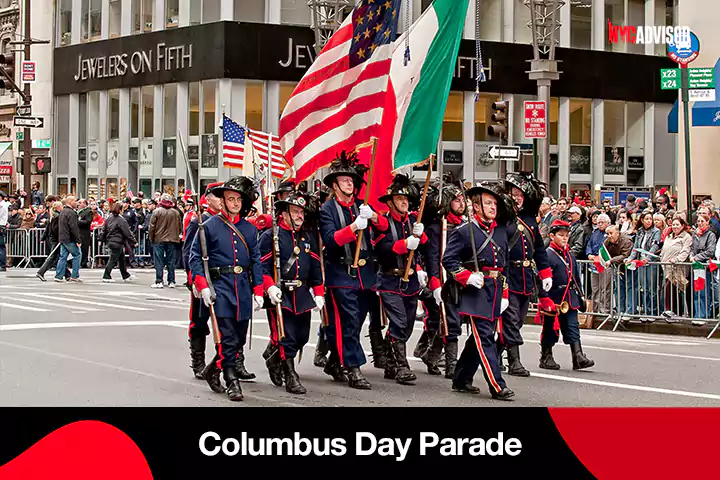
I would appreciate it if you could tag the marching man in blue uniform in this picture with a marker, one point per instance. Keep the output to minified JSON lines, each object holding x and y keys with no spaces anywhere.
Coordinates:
{"x":475,"y":257}
{"x":344,"y":218}
{"x":430,"y":347}
{"x":236,"y":274}
{"x":526,"y":252}
{"x":559,"y":307}
{"x":399,"y":297}
{"x":300,"y":289}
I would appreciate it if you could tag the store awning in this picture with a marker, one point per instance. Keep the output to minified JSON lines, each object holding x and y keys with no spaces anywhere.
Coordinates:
{"x":707,"y":114}
{"x":672,"y":125}
{"x":4,"y":146}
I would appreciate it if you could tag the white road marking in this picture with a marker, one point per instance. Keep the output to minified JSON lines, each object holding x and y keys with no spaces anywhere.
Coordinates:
{"x":38,"y":302}
{"x":86,"y":302}
{"x":21,"y":307}
{"x":37,"y":326}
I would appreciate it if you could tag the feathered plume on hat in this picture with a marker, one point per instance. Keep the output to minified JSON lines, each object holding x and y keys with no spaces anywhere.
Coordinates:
{"x":403,"y":185}
{"x":346,"y":164}
{"x":533,"y":190}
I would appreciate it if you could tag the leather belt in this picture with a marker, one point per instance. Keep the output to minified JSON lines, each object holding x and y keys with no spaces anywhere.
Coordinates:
{"x":291,"y":284}
{"x":349,"y":261}
{"x":215,"y":272}
{"x":522,"y":263}
{"x":396,"y":272}
{"x":491,"y":273}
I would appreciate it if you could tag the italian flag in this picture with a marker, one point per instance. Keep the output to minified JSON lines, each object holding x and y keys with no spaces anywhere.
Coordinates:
{"x":698,"y":276}
{"x":602,"y":259}
{"x":417,"y":93}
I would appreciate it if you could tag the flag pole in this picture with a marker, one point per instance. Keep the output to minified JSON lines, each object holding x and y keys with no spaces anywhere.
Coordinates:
{"x":420,"y":214}
{"x":367,"y":198}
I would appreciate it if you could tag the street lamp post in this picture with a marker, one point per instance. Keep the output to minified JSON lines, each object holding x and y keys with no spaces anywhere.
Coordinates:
{"x":544,"y":24}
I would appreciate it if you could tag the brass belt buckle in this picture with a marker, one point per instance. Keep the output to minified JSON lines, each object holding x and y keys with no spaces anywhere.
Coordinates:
{"x":361,"y":262}
{"x":526,"y":263}
{"x":492,"y":274}
{"x":237,"y":269}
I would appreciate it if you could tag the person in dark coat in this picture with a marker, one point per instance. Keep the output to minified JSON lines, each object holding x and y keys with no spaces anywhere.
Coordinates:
{"x":85,"y":218}
{"x":69,"y":239}
{"x":116,"y":235}
{"x":50,"y":237}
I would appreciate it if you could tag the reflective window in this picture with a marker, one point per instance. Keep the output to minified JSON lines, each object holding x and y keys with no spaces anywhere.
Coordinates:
{"x":134,"y":112}
{"x":554,"y":115}
{"x":295,"y":12}
{"x":209,"y":87}
{"x":210,"y":11}
{"x":84,"y":20}
{"x":142,"y":15}
{"x":483,"y":115}
{"x":523,"y":33}
{"x":581,"y":24}
{"x":95,"y":19}
{"x":665,"y":15}
{"x":491,"y":21}
{"x":93,"y":116}
{"x":170,"y":110}
{"x":580,"y":121}
{"x":62,"y":151}
{"x":114,"y":111}
{"x":82,"y":120}
{"x":172,"y":13}
{"x":148,"y":107}
{"x":194,"y":108}
{"x":115,"y":17}
{"x":286,"y":90}
{"x":195,"y":12}
{"x":254,"y":105}
{"x":635,"y":128}
{"x":615,"y":13}
{"x":453,"y":119}
{"x":65,"y":22}
{"x":636,"y":16}
{"x":614,"y":137}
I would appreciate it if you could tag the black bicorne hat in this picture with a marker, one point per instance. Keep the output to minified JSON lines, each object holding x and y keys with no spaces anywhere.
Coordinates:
{"x":295,"y":198}
{"x":533,"y":190}
{"x":287,"y":186}
{"x":346,"y":164}
{"x":242,"y":185}
{"x":402,"y":185}
{"x":506,"y":209}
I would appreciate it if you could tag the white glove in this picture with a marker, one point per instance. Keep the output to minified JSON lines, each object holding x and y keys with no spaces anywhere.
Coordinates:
{"x":319,"y":302}
{"x":418,"y":229}
{"x":412,"y":243}
{"x":437,"y":294}
{"x":195,"y":292}
{"x":547,"y":284}
{"x":258,"y":301}
{"x":366,"y":212}
{"x":476,"y":280}
{"x":360,"y":223}
{"x":422,"y":277}
{"x":504,"y":304}
{"x":205,"y":294}
{"x":275,"y":294}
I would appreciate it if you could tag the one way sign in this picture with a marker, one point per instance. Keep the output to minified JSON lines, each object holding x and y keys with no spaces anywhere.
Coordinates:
{"x":29,"y":122}
{"x":504,"y":153}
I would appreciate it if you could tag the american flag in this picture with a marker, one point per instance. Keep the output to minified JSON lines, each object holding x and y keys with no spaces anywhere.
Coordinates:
{"x":338,"y":104}
{"x":233,"y":143}
{"x":264,"y":142}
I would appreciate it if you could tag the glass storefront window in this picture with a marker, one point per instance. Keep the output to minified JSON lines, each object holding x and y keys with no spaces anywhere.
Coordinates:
{"x":210,"y":11}
{"x":172,"y":13}
{"x":580,"y":121}
{"x":286,"y":90}
{"x":635,"y":129}
{"x":554,"y":115}
{"x":636,"y":16}
{"x":195,"y":13}
{"x":95,"y":19}
{"x":65,"y":22}
{"x":85,"y":20}
{"x":614,"y":137}
{"x":148,"y":106}
{"x":581,"y":24}
{"x":170,"y":110}
{"x":194,"y":108}
{"x":209,"y":88}
{"x":93,"y":116}
{"x":115,"y":17}
{"x":453,"y":119}
{"x":295,"y":12}
{"x":134,"y":112}
{"x":614,"y":12}
{"x":523,"y":34}
{"x":491,"y":20}
{"x":254,"y":105}
{"x":114,"y":109}
{"x":142,"y":15}
{"x":483,"y":115}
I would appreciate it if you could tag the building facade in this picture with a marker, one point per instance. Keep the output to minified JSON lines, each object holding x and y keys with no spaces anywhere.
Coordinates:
{"x":130,"y":75}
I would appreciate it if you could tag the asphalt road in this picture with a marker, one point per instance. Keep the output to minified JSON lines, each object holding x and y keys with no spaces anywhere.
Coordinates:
{"x":121,"y":344}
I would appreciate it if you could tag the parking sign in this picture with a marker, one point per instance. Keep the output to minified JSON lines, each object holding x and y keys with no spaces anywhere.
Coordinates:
{"x":535,"y":119}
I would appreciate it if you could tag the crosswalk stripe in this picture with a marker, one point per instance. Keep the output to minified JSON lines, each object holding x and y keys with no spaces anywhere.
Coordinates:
{"x":87,"y":302}
{"x":160,"y":302}
{"x":39,"y":302}
{"x":22,"y":307}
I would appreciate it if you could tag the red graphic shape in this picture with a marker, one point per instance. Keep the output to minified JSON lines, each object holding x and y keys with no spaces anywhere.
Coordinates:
{"x":40,"y":164}
{"x":659,"y":443}
{"x":85,"y":450}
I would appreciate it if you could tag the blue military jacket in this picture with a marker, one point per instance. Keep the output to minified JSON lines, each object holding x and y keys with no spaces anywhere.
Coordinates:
{"x":306,"y":267}
{"x":340,"y":245}
{"x":234,"y":291}
{"x":566,"y":277}
{"x":190,"y":233}
{"x":528,"y":247}
{"x":393,"y":254}
{"x":458,"y":261}
{"x":431,"y":257}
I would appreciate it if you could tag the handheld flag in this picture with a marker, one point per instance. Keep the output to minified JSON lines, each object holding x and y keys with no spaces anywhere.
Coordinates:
{"x":698,"y":276}
{"x":602,"y":259}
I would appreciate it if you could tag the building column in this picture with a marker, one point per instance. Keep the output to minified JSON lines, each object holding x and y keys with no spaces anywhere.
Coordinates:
{"x":76,"y":22}
{"x":649,"y":144}
{"x":103,"y":134}
{"x":124,"y":131}
{"x":597,"y":143}
{"x":468,"y":137}
{"x":183,"y":118}
{"x":185,"y":12}
{"x":157,"y":140}
{"x":224,"y":100}
{"x":126,"y":18}
{"x":159,"y":21}
{"x":565,"y":26}
{"x":508,"y":19}
{"x":227,"y":8}
{"x":74,"y":140}
{"x":649,"y":47}
{"x":273,"y":11}
{"x":105,"y":20}
{"x":417,"y":9}
{"x":271,"y":106}
{"x":598,"y":25}
{"x":564,"y":142}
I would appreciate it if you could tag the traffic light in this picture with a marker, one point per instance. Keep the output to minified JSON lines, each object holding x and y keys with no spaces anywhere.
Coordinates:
{"x":500,"y":118}
{"x":43,"y":164}
{"x":7,"y":64}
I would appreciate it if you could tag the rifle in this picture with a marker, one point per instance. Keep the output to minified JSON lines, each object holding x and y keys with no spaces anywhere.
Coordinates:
{"x":203,"y":246}
{"x":280,"y":324}
{"x":471,"y":214}
{"x":324,"y":313}
{"x":419,"y":217}
{"x":443,"y":329}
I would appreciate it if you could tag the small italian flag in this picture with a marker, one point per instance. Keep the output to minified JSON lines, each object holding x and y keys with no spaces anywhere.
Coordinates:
{"x":699,"y":276}
{"x":602,"y":259}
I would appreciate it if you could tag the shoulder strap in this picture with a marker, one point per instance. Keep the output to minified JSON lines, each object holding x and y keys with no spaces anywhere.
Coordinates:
{"x":343,"y":223}
{"x":488,"y":239}
{"x":514,"y":239}
{"x":395,"y":238}
{"x":237,"y":232}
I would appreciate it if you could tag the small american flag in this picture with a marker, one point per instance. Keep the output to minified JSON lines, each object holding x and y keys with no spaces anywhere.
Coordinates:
{"x":264,"y":142}
{"x":233,"y":143}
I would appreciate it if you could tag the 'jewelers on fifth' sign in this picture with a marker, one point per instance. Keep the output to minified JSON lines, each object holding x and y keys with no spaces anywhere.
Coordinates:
{"x":166,"y":58}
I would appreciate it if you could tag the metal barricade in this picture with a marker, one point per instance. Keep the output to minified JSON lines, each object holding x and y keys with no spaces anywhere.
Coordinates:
{"x":36,"y":248}
{"x":99,"y":249}
{"x":16,"y":245}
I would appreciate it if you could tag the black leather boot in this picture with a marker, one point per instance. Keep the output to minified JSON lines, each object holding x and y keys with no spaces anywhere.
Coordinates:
{"x":579,"y":359}
{"x":334,"y":369}
{"x":197,"y":356}
{"x":232,"y":381}
{"x":465,"y":388}
{"x":404,"y":375}
{"x":505,"y":394}
{"x":514,"y":366}
{"x":242,"y":372}
{"x":390,"y":362}
{"x":377,"y":346}
{"x":356,"y":379}
{"x":500,"y":349}
{"x":292,"y":381}
{"x":422,"y":345}
{"x":272,"y":362}
{"x":546,"y":358}
{"x":451,"y":353}
{"x":321,"y":349}
{"x":432,"y":357}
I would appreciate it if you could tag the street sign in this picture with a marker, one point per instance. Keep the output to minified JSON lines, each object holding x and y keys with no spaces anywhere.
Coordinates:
{"x":41,"y":143}
{"x":31,"y":122}
{"x":669,"y":78}
{"x":24,"y":110}
{"x":19,"y":135}
{"x":701,"y":78}
{"x":702,"y":95}
{"x":29,"y":70}
{"x":535,"y":119}
{"x":684,"y":50}
{"x":4,"y":179}
{"x":504,"y":153}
